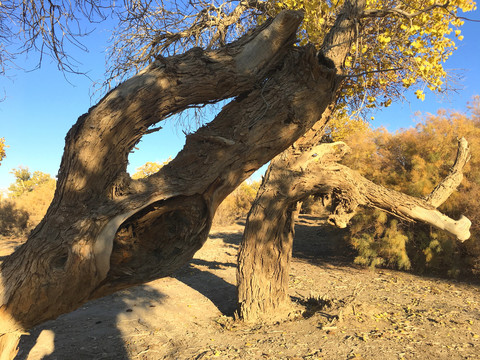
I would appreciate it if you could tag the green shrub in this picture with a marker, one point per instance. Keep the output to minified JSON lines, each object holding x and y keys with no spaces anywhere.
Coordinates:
{"x":381,"y":243}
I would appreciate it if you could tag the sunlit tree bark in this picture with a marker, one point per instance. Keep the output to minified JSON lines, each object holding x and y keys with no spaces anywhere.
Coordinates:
{"x":265,"y":253}
{"x":104,"y":231}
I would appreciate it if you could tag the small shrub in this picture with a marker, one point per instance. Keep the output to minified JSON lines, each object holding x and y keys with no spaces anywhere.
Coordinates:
{"x":26,"y":181}
{"x":13,"y":220}
{"x":437,"y":252}
{"x":26,"y":208}
{"x":381,"y":243}
{"x":36,"y":202}
{"x":237,"y":204}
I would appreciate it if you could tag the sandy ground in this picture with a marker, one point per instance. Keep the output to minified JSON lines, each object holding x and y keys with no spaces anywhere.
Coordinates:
{"x":349,"y":312}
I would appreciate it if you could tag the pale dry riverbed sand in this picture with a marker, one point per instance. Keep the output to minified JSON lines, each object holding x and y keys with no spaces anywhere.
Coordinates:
{"x":360,"y":313}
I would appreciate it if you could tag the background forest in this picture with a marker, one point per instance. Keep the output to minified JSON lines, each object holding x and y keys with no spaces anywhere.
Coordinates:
{"x":410,"y":160}
{"x":414,"y":161}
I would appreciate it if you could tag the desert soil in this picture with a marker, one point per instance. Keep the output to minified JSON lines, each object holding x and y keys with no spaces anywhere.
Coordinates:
{"x":348,"y":312}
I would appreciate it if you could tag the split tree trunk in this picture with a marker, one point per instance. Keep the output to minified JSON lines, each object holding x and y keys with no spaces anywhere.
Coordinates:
{"x":265,"y":253}
{"x":105,"y":231}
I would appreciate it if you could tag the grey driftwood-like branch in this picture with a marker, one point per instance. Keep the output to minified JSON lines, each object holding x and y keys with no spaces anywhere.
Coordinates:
{"x":451,"y":182}
{"x":351,"y":190}
{"x":303,"y":170}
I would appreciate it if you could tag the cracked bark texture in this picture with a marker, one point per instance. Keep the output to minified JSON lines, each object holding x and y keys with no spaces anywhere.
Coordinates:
{"x":265,"y":253}
{"x":308,"y":168}
{"x":104,"y":231}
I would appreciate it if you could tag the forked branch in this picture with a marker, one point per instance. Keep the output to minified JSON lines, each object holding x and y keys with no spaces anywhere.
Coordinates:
{"x":443,"y":190}
{"x":349,"y":190}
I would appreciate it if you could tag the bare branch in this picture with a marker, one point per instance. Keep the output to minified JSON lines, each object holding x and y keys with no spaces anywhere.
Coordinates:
{"x":465,"y":18}
{"x":350,"y":189}
{"x":156,"y":29}
{"x":151,"y":131}
{"x":371,"y":72}
{"x":443,"y":190}
{"x":47,"y":28}
{"x":316,"y":172}
{"x":401,"y":11}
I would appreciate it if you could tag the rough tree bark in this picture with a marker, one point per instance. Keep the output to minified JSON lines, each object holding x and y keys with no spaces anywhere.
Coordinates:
{"x":264,"y":258}
{"x":104,"y":231}
{"x":266,"y":248}
{"x":265,"y":253}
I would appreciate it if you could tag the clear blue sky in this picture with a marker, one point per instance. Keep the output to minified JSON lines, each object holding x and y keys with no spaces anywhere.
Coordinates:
{"x":41,"y":106}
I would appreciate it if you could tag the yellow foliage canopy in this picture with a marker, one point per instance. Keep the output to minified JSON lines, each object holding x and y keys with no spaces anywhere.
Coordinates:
{"x":399,"y":45}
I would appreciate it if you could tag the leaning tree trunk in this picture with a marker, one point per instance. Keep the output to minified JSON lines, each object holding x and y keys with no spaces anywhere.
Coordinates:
{"x":264,"y":257}
{"x":265,"y":253}
{"x":305,"y":169}
{"x":104,"y":231}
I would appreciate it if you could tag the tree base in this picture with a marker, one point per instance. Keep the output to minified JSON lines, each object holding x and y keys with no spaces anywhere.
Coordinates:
{"x":284,"y":311}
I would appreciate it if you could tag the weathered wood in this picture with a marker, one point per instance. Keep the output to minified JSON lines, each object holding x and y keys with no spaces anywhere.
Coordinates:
{"x":451,"y":182}
{"x":349,"y":187}
{"x":264,"y":257}
{"x":105,"y":231}
{"x":265,"y":252}
{"x":294,"y":175}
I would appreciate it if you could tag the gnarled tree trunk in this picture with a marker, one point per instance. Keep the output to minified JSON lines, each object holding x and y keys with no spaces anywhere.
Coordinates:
{"x":264,"y":257}
{"x":104,"y":231}
{"x":308,"y":168}
{"x":265,"y":253}
{"x":266,"y":250}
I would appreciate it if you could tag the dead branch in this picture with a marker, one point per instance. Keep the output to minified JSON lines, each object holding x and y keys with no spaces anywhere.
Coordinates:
{"x":401,"y":11}
{"x":350,"y":189}
{"x":448,"y":185}
{"x":168,"y":28}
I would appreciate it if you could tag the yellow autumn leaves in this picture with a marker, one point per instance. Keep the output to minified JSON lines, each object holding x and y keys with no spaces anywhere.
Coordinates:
{"x":2,"y":149}
{"x":393,"y":52}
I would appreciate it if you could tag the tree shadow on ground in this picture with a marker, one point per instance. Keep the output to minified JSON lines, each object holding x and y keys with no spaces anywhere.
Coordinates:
{"x":315,"y":241}
{"x":233,"y":239}
{"x":90,"y":332}
{"x":220,"y":292}
{"x":320,"y":243}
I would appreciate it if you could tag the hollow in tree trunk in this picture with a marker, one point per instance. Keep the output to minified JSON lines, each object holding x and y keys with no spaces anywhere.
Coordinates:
{"x":105,"y":231}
